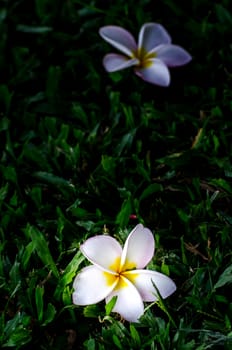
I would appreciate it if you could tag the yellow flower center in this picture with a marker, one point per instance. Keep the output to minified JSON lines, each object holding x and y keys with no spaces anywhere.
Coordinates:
{"x":144,"y":57}
{"x":120,"y":275}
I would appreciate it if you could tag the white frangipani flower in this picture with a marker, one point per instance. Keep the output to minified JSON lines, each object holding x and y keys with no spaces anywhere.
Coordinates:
{"x":150,"y":58}
{"x":120,"y":272}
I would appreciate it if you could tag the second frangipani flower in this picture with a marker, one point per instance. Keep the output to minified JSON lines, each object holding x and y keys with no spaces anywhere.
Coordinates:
{"x":150,"y":58}
{"x":120,"y":272}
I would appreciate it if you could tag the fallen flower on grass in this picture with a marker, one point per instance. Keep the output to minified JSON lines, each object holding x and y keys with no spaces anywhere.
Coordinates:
{"x":120,"y":272}
{"x":151,"y":57}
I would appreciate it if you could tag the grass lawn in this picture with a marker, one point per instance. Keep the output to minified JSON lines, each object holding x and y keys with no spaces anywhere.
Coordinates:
{"x":86,"y":152}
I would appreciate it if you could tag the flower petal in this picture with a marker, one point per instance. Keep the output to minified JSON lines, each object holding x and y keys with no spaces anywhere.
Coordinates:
{"x":138,"y":249}
{"x":119,"y":38}
{"x":142,"y":280}
{"x":152,"y":35}
{"x":129,"y":303}
{"x":113,"y":62}
{"x":173,"y":55}
{"x":91,"y":286}
{"x":155,"y":73}
{"x":103,"y":251}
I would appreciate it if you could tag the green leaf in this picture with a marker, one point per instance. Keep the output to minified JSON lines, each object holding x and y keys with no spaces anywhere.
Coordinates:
{"x":161,"y":303}
{"x":41,"y":247}
{"x":125,"y":142}
{"x":27,"y":254}
{"x":183,"y":215}
{"x":69,"y":273}
{"x":53,"y":79}
{"x":33,"y":29}
{"x":19,"y":337}
{"x":16,"y":332}
{"x":4,"y":124}
{"x":39,"y":293}
{"x":67,"y":295}
{"x":116,"y":76}
{"x":36,"y":195}
{"x":153,"y":188}
{"x":225,"y":278}
{"x":3,"y":15}
{"x":51,"y":179}
{"x":224,"y":16}
{"x":117,"y":342}
{"x":110,"y":305}
{"x":92,"y":311}
{"x":221,"y":183}
{"x":108,"y":164}
{"x":135,"y":335}
{"x":88,"y":225}
{"x":5,"y":99}
{"x":165,"y":269}
{"x":15,"y":277}
{"x":124,"y":214}
{"x":90,"y":344}
{"x":9,"y":174}
{"x":49,"y":314}
{"x":80,"y":114}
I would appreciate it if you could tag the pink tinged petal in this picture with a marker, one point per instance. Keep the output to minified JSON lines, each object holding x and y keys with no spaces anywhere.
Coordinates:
{"x":152,"y":35}
{"x":129,"y":303}
{"x":156,"y":72}
{"x":138,"y":249}
{"x":120,"y":38}
{"x":103,"y":251}
{"x":114,"y":62}
{"x":173,"y":55}
{"x":91,"y":286}
{"x":142,"y":280}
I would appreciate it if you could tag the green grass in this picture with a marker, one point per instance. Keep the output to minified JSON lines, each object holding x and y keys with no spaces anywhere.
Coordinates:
{"x":81,"y":148}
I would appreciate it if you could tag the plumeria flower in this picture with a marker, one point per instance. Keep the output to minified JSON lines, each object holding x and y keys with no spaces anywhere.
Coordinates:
{"x":120,"y":272}
{"x":150,"y":58}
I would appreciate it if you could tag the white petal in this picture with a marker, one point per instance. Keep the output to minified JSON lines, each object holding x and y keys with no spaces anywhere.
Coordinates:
{"x":152,"y":35}
{"x":173,"y":55}
{"x":155,"y":73}
{"x":138,"y":249}
{"x":114,"y":62}
{"x":103,"y":251}
{"x":142,"y":280}
{"x":91,"y":286}
{"x":119,"y":38}
{"x":129,"y":303}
